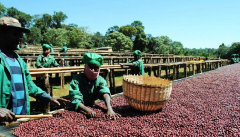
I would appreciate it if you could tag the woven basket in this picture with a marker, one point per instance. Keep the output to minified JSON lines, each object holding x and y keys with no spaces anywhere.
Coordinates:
{"x":146,"y":93}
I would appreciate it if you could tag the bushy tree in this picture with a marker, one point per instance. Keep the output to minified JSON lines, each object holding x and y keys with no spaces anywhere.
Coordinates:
{"x":112,"y":29}
{"x":55,"y":36}
{"x":35,"y":37}
{"x":78,"y":39}
{"x":3,"y":10}
{"x":24,"y":19}
{"x":97,"y":40}
{"x":58,"y":19}
{"x":119,"y":42}
{"x":129,"y":31}
{"x":177,"y":48}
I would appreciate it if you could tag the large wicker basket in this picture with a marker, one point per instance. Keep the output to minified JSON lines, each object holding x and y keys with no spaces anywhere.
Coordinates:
{"x":146,"y":93}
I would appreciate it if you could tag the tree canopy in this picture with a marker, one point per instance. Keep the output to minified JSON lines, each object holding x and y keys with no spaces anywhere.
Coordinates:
{"x":46,"y":28}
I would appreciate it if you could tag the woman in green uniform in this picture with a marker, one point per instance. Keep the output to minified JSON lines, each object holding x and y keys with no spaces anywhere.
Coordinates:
{"x":87,"y":87}
{"x":136,"y":64}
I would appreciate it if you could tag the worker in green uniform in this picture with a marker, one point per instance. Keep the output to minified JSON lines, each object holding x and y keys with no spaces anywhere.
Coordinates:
{"x":87,"y":87}
{"x":64,"y":49}
{"x":25,"y":45}
{"x":18,"y":47}
{"x":46,"y":60}
{"x":51,"y":50}
{"x":136,"y":64}
{"x":16,"y":83}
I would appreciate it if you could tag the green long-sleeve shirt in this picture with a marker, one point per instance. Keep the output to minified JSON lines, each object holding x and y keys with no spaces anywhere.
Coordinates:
{"x":80,"y":90}
{"x":137,"y":68}
{"x":63,"y":49}
{"x":6,"y":85}
{"x":46,"y":62}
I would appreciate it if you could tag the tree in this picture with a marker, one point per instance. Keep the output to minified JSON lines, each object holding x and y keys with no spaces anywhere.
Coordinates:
{"x":35,"y":37}
{"x":118,"y":41}
{"x":97,"y":40}
{"x":23,"y":18}
{"x":177,"y":48}
{"x":129,"y":31}
{"x":2,"y":10}
{"x":112,"y":29}
{"x":55,"y":36}
{"x":137,"y":24}
{"x":79,"y":39}
{"x":58,"y":18}
{"x":141,"y":41}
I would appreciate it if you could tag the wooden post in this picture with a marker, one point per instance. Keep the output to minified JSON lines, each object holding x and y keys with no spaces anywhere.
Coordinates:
{"x":185,"y":70}
{"x":149,"y":71}
{"x":166,"y":71}
{"x":62,"y":80}
{"x":174,"y":72}
{"x":193,"y":68}
{"x":110,"y":79}
{"x":159,"y":70}
{"x":106,"y":77}
{"x":178,"y":71}
{"x":113,"y":77}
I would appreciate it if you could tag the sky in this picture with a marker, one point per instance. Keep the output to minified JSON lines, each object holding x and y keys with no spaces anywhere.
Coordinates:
{"x":194,"y":23}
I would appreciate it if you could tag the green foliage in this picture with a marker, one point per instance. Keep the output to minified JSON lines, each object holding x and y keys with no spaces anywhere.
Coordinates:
{"x":112,"y":29}
{"x":137,"y":24}
{"x":47,"y":28}
{"x":78,"y":38}
{"x":55,"y":36}
{"x":177,"y":48}
{"x":35,"y":37}
{"x":129,"y":31}
{"x":119,"y":42}
{"x":222,"y":51}
{"x":97,"y":40}
{"x":58,"y":18}
{"x":2,"y":10}
{"x":24,"y":19}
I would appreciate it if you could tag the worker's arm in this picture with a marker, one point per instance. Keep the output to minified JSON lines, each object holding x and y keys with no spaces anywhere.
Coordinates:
{"x":110,"y":111}
{"x":89,"y":112}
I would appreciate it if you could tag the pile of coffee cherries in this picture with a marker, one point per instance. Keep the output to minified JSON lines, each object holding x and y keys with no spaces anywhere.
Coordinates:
{"x":204,"y":105}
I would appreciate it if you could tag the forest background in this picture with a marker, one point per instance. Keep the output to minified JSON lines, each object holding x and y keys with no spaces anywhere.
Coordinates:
{"x":51,"y":29}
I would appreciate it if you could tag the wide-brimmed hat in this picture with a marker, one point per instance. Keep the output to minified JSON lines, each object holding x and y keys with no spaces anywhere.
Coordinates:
{"x":12,"y":22}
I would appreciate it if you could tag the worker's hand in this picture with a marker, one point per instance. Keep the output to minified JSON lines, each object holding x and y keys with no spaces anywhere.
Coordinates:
{"x":113,"y":115}
{"x":6,"y":115}
{"x":91,"y":113}
{"x":60,"y":102}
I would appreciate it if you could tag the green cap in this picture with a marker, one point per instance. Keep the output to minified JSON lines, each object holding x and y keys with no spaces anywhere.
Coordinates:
{"x":137,"y":52}
{"x":46,"y":46}
{"x":64,"y":44}
{"x":93,"y":58}
{"x":51,"y":45}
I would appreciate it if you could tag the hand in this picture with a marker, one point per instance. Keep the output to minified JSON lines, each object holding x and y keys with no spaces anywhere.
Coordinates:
{"x":60,"y":102}
{"x":113,"y":115}
{"x":91,"y":113}
{"x":6,"y":115}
